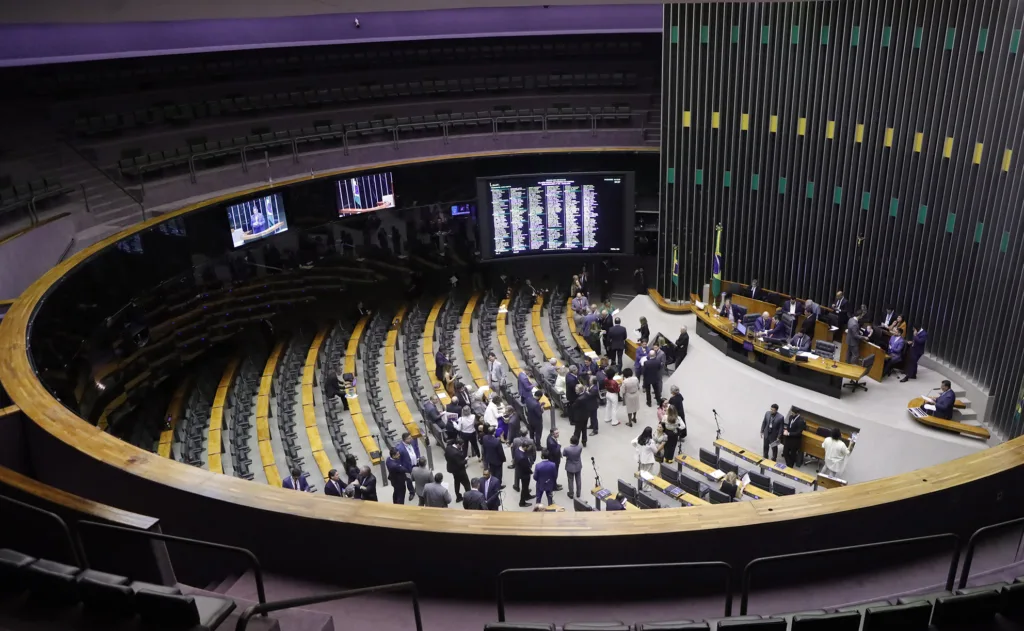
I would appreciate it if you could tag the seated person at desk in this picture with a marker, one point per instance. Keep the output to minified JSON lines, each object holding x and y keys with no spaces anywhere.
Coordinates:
{"x":755,"y":290}
{"x":893,"y":354}
{"x":898,"y":327}
{"x":732,"y":486}
{"x":763,"y":323}
{"x":841,"y":308}
{"x":888,"y":318}
{"x":793,"y":307}
{"x":944,"y":402}
{"x":779,"y":331}
{"x":801,"y":341}
{"x":807,"y":328}
{"x":725,"y":311}
{"x":619,"y":503}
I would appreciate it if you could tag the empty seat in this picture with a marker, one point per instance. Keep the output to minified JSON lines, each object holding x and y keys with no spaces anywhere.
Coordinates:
{"x":175,"y":611}
{"x":839,"y":621}
{"x":51,"y":582}
{"x":12,"y":566}
{"x":519,"y":626}
{"x":678,"y":625}
{"x":764,"y":624}
{"x":909,"y":617}
{"x":106,"y":595}
{"x":953,"y":612}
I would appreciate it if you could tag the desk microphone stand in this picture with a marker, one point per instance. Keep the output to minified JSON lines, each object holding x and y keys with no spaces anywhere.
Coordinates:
{"x":718,"y":427}
{"x":597,"y":476}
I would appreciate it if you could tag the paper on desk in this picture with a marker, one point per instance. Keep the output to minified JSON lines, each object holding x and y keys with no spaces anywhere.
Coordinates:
{"x":717,"y":474}
{"x":699,"y":305}
{"x":646,"y":475}
{"x":833,"y":328}
{"x":746,"y":479}
{"x":807,"y":354}
{"x":929,"y":407}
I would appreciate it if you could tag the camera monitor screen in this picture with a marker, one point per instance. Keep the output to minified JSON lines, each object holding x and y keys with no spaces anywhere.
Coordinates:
{"x":365,"y":193}
{"x":582,"y":213}
{"x":257,"y":218}
{"x":462,"y":210}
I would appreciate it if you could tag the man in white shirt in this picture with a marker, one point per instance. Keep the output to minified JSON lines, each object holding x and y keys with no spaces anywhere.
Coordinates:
{"x":467,"y":431}
{"x":491,"y":412}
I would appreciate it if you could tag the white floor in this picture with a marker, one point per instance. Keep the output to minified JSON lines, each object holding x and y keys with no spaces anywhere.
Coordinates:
{"x":890,"y":442}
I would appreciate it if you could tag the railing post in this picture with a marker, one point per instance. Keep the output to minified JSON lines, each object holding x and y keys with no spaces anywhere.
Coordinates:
{"x":593,"y":124}
{"x":295,"y":151}
{"x":344,"y":139}
{"x":270,"y":176}
{"x":245,"y":163}
{"x":85,"y":196}
{"x":444,"y":128}
{"x":545,"y":127}
{"x":192,"y":168}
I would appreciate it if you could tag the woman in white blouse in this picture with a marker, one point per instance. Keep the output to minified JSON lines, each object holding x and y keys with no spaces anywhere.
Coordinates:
{"x":491,"y":413}
{"x":560,"y":381}
{"x":836,"y":452}
{"x":646,"y":450}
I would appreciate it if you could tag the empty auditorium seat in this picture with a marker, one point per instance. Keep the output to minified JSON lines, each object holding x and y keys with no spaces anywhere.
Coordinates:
{"x":761,"y":624}
{"x":678,"y":625}
{"x":519,"y":626}
{"x":909,"y":617}
{"x":176,"y":611}
{"x":953,"y":612}
{"x":838,"y":621}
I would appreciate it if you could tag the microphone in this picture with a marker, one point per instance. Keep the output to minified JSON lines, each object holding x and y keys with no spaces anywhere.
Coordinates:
{"x":714,"y":410}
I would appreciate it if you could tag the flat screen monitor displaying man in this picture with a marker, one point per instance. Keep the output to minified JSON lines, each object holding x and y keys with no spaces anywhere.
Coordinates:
{"x":560,"y":213}
{"x":365,"y":193}
{"x":256,"y":219}
{"x":463,"y":210}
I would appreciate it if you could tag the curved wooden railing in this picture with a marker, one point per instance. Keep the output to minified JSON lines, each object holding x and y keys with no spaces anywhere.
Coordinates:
{"x":266,"y":448}
{"x":323,"y":462}
{"x":216,"y":427}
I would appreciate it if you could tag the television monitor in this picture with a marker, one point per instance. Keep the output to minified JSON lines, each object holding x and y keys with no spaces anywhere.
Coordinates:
{"x":256,"y":219}
{"x":558,"y":213}
{"x":365,"y":193}
{"x":463,"y":210}
{"x":627,"y":490}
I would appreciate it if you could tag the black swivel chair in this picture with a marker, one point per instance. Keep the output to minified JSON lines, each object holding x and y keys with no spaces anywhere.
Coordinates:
{"x":825,"y":349}
{"x":866,"y":362}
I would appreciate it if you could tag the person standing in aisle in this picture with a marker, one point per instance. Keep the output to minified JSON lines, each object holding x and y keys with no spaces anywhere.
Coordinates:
{"x":646,"y":450}
{"x":611,"y":389}
{"x":524,"y":467}
{"x":630,"y":391}
{"x":771,"y":430}
{"x":554,"y":450}
{"x":573,"y":466}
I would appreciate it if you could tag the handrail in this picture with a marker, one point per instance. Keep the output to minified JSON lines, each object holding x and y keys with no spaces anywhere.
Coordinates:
{"x":635,"y":566}
{"x":965,"y":573}
{"x":950,"y":577}
{"x":254,"y":563}
{"x":264,"y":608}
{"x":74,"y":149}
{"x":76,"y":553}
{"x":67,"y":250}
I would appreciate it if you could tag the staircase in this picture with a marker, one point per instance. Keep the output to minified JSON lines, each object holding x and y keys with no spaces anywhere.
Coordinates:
{"x":652,"y":127}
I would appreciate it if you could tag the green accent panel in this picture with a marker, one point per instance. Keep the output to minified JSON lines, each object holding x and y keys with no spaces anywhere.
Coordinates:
{"x":765,"y":30}
{"x":950,"y":38}
{"x":782,"y":186}
{"x":727,"y":179}
{"x":794,"y":35}
{"x":1014,"y":41}
{"x":918,"y":37}
{"x":675,"y":35}
{"x":922,"y":214}
{"x":755,"y":180}
{"x":735,"y":37}
{"x":810,"y":190}
{"x":704,"y":33}
{"x":894,"y":207}
{"x":950,"y":222}
{"x":886,"y":36}
{"x":837,"y":196}
{"x":855,"y":36}
{"x":671,"y":175}
{"x":824,"y":35}
{"x":865,"y":200}
{"x":1004,"y":243}
{"x":698,"y":177}
{"x":982,"y":39}
{"x":978,"y":230}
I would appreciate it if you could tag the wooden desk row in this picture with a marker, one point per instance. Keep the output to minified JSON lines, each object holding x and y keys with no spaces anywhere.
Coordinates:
{"x":266,"y":448}
{"x":514,"y":368}
{"x":214,"y":444}
{"x":429,"y":330}
{"x":355,"y":410}
{"x":391,"y":373}
{"x":602,"y":494}
{"x":323,"y":462}
{"x":697,"y":466}
{"x":465,"y":340}
{"x":579,"y":339}
{"x":175,"y":410}
{"x":671,"y":490}
{"x":538,"y":331}
{"x":765,"y":464}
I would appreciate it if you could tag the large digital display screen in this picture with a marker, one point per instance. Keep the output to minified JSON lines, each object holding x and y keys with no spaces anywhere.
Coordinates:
{"x":556,"y":213}
{"x":365,"y":193}
{"x":256,"y":218}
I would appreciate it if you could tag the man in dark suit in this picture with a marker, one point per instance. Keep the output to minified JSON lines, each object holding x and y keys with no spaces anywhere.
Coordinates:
{"x":807,"y":328}
{"x":545,"y":475}
{"x":841,"y":306}
{"x":579,"y":414}
{"x":619,"y":503}
{"x":366,"y":485}
{"x":763,"y":323}
{"x":474,"y":499}
{"x":490,"y":486}
{"x":398,"y":475}
{"x":615,"y":340}
{"x":571,"y":379}
{"x":554,"y":454}
{"x":652,"y":377}
{"x":432,"y":412}
{"x":524,"y":467}
{"x":944,"y":402}
{"x":535,"y":416}
{"x":793,"y":307}
{"x":492,"y":452}
{"x":455,"y":457}
{"x":792,"y":434}
{"x":682,"y":346}
{"x":594,"y":403}
{"x":334,"y":486}
{"x":755,"y":290}
{"x":771,"y":430}
{"x":296,"y":482}
{"x":408,"y":453}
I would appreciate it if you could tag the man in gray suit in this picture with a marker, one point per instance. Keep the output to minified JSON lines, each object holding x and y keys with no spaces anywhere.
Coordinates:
{"x":421,"y":477}
{"x":573,"y":466}
{"x":771,"y":430}
{"x":435,"y":495}
{"x":495,"y":373}
{"x":548,"y":371}
{"x":854,"y":336}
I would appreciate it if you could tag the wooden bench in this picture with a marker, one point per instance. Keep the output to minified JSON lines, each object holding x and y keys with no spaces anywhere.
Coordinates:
{"x":671,"y":490}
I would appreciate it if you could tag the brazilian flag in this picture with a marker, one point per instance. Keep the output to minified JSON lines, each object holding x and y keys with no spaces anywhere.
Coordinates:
{"x":716,"y":264}
{"x":675,"y":265}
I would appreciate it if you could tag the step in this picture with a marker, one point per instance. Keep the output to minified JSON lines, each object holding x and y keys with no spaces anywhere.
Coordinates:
{"x":284,"y":620}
